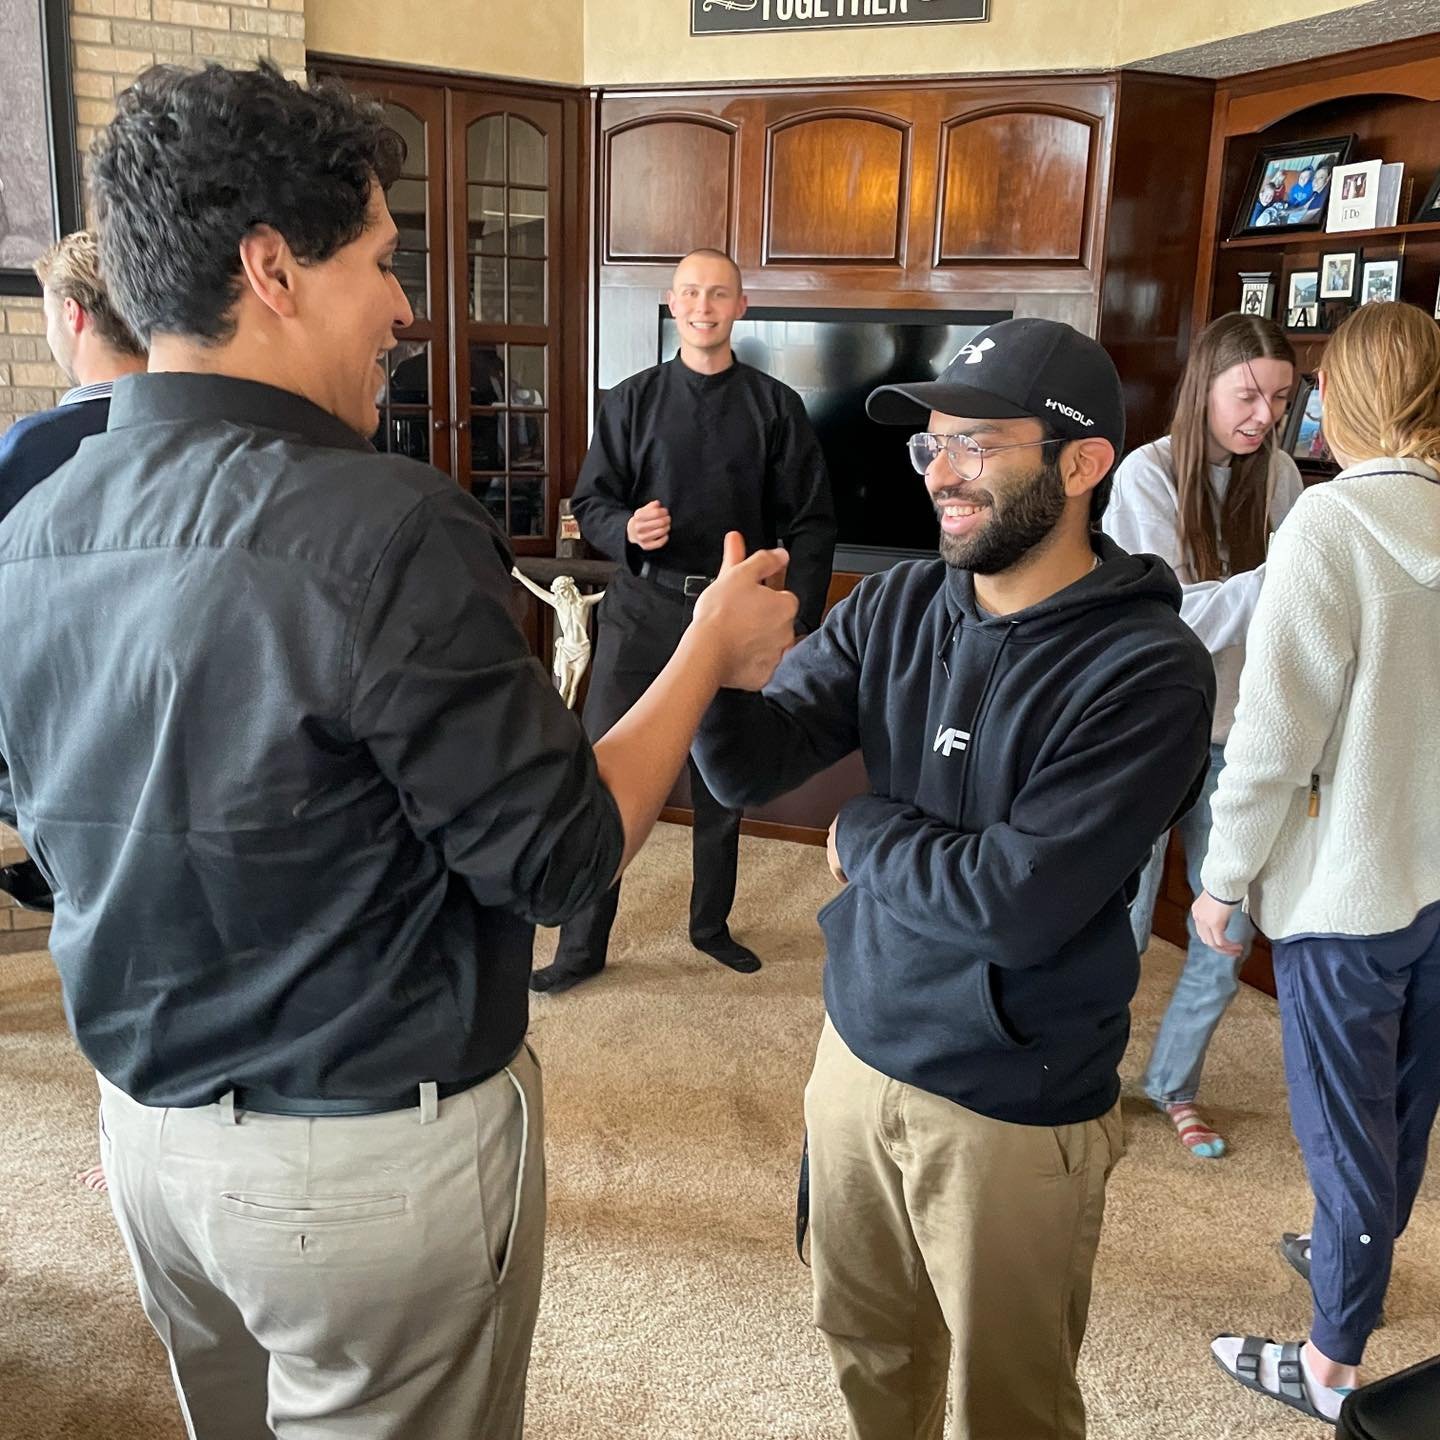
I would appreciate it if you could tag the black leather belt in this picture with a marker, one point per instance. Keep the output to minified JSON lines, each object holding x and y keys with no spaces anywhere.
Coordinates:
{"x":263,"y":1101}
{"x":687,"y":585}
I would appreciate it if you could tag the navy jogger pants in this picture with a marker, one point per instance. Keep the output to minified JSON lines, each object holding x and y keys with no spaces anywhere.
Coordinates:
{"x":1361,"y":1023}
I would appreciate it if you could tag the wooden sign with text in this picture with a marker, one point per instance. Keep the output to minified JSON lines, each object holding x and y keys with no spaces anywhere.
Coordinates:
{"x":731,"y":17}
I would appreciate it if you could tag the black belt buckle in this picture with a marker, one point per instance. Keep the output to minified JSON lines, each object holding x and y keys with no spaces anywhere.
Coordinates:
{"x":696,"y":585}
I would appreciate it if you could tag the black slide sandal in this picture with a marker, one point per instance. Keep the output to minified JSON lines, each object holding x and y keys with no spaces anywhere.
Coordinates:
{"x":1291,"y":1391}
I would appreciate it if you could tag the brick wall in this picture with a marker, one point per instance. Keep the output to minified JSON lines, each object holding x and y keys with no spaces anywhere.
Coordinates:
{"x":112,"y":42}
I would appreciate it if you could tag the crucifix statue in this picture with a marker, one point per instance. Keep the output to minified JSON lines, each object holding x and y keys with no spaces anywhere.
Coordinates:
{"x":572,"y":630}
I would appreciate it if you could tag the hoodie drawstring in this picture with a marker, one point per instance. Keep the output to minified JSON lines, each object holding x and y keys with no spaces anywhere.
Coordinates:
{"x":982,"y":703}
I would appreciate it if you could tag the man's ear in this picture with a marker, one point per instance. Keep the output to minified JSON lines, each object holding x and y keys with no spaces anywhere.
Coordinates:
{"x":270,"y":269}
{"x":744,"y":305}
{"x":75,"y":317}
{"x":1084,"y":464}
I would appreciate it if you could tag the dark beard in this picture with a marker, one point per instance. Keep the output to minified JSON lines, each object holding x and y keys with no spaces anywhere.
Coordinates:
{"x":1026,"y":516}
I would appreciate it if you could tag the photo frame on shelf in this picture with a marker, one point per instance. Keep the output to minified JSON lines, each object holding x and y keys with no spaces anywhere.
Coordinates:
{"x":1289,"y":186}
{"x":1380,"y":280}
{"x":1437,"y":302}
{"x":1304,"y":436}
{"x":1354,"y":197}
{"x":1340,"y":275}
{"x":1257,"y":293}
{"x":1302,"y":300}
{"x":1430,"y":206}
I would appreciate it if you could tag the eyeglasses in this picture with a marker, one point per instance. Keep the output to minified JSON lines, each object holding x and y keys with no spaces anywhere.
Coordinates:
{"x":967,"y":459}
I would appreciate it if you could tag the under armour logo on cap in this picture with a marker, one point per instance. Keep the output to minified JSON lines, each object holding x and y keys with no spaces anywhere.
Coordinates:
{"x":974,"y":354}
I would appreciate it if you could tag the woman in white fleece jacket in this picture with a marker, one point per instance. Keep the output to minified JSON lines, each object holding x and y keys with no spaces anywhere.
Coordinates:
{"x":1327,"y":820}
{"x":1205,"y":498}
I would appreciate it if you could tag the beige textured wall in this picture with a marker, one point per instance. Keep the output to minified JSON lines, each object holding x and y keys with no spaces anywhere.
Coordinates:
{"x":1156,"y":27}
{"x":642,"y":41}
{"x":614,"y":42}
{"x":530,"y":40}
{"x":648,"y":41}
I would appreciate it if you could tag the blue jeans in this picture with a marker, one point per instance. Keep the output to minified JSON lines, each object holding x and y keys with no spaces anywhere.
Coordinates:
{"x":1209,"y":980}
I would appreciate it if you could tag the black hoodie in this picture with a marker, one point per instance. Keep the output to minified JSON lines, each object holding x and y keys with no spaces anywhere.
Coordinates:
{"x":1021,"y":768}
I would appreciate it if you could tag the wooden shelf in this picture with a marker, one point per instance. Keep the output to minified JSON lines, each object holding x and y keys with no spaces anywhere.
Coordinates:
{"x":1325,"y":238}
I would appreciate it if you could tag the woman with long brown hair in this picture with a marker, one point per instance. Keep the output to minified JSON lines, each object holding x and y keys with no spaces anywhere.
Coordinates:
{"x":1326,"y":819}
{"x":1205,"y":498}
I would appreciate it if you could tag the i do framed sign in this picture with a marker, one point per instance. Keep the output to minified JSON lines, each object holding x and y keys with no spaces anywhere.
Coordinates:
{"x":738,"y":17}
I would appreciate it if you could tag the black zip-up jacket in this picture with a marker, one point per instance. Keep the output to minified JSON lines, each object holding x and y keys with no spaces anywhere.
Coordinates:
{"x":267,"y":726}
{"x":1022,"y":767}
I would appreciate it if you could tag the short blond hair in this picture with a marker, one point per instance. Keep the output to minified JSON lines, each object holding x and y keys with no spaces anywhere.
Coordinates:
{"x":1382,"y":384}
{"x":71,"y":269}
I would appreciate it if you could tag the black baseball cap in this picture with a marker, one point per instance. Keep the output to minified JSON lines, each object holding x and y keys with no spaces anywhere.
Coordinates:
{"x":1038,"y":368}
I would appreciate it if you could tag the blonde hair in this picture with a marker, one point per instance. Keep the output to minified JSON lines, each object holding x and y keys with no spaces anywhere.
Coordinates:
{"x":1382,"y":384}
{"x":71,"y":269}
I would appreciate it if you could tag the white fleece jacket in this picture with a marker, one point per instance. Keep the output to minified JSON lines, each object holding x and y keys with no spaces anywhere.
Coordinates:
{"x":1143,"y":517}
{"x":1339,"y":700}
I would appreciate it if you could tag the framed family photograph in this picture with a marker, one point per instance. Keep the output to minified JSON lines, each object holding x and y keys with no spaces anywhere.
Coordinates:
{"x":1339,"y":275}
{"x":39,"y":170}
{"x":1304,"y":437}
{"x":1289,"y":186}
{"x":1257,"y":292}
{"x":1379,"y":280}
{"x":1302,"y":300}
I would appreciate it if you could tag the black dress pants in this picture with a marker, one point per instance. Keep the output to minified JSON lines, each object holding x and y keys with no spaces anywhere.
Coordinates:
{"x":640,"y":624}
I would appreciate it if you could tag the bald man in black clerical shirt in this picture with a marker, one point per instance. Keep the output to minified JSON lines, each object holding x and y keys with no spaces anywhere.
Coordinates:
{"x":682,"y":453}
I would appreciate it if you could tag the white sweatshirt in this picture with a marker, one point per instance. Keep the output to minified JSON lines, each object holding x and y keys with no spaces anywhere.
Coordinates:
{"x":1144,"y":517}
{"x":1340,"y":700}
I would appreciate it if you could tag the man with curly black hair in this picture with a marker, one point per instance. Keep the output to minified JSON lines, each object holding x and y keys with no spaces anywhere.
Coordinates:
{"x":302,"y":792}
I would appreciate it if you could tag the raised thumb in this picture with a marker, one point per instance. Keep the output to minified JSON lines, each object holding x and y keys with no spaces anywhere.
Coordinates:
{"x":734,"y":553}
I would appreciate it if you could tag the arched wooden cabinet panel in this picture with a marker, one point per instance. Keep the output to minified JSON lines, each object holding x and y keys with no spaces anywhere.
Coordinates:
{"x":835,"y":189}
{"x":1015,"y":188}
{"x":669,"y":188}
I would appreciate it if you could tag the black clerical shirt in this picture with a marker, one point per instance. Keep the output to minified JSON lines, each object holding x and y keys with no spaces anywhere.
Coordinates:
{"x":732,"y":451}
{"x":298,"y":783}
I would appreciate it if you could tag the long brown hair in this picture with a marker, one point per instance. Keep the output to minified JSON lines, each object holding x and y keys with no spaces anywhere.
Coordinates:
{"x":1382,"y":384}
{"x":1244,"y":516}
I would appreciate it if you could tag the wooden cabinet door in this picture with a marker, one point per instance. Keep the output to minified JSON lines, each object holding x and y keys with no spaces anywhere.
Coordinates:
{"x":506,"y":292}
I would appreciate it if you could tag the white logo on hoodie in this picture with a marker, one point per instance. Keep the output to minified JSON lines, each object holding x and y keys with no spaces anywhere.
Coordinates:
{"x":948,"y":738}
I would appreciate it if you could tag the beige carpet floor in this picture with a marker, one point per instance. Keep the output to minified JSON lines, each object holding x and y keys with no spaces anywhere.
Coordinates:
{"x":674,"y":1305}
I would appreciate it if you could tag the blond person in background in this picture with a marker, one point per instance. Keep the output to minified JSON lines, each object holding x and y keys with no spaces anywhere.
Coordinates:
{"x":94,"y":346}
{"x":1326,"y":821}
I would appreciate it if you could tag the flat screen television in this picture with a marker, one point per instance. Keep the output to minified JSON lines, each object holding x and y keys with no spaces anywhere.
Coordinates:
{"x":834,"y":359}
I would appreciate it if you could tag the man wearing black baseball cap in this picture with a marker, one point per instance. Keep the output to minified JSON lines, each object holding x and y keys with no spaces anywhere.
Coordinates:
{"x":1032,"y":712}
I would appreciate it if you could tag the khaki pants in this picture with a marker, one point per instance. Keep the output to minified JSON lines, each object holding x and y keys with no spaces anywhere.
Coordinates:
{"x":341,"y":1277}
{"x":945,"y":1241}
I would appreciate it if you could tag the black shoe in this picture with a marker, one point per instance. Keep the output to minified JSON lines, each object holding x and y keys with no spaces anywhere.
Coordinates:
{"x":728,"y":952}
{"x":1296,"y":1250}
{"x":553,"y":979}
{"x":26,"y":886}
